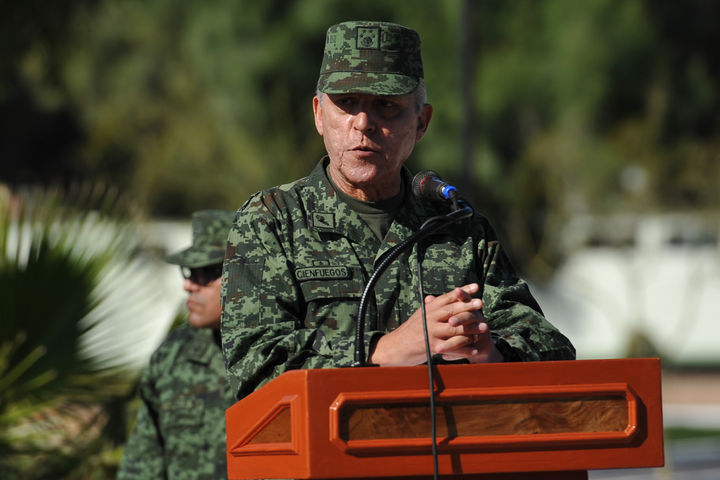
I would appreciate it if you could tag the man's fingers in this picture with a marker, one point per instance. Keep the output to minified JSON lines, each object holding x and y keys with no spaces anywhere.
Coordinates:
{"x":470,"y":315}
{"x":465,"y":344}
{"x":456,"y":307}
{"x":464,"y":293}
{"x":466,"y":327}
{"x":470,"y":288}
{"x":461,"y":294}
{"x":453,"y":344}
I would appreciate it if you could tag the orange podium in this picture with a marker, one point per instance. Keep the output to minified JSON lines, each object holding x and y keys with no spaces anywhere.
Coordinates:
{"x":539,"y":420}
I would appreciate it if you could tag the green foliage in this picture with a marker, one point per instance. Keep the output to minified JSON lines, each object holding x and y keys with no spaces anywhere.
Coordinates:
{"x":64,"y":375}
{"x":543,"y":109}
{"x":683,"y":433}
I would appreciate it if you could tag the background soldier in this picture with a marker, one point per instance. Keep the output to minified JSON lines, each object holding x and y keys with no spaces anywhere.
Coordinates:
{"x":180,"y":429}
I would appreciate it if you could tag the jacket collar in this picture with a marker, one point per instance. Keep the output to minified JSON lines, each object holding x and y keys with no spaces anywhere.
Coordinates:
{"x":330,"y":214}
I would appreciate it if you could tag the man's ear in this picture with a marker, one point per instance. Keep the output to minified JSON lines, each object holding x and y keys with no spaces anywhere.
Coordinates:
{"x":317,"y":113}
{"x":423,"y":120}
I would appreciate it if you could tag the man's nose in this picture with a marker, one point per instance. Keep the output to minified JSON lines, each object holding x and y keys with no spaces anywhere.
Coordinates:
{"x":364,"y":121}
{"x":189,"y":285}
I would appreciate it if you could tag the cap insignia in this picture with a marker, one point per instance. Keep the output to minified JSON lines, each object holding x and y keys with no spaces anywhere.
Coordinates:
{"x":368,"y":38}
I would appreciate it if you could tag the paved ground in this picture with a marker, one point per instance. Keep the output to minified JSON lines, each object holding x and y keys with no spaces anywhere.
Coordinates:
{"x":684,"y":460}
{"x":690,"y":399}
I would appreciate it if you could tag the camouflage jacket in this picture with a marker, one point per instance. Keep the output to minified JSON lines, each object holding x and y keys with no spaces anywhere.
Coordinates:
{"x":180,"y":428}
{"x":297,"y":262}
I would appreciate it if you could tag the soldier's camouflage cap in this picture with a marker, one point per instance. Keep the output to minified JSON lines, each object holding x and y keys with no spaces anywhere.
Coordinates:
{"x":209,"y":236}
{"x":378,"y":58}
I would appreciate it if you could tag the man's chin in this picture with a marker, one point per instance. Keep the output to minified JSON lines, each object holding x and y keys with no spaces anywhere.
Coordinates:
{"x":367,"y":175}
{"x":197,"y":321}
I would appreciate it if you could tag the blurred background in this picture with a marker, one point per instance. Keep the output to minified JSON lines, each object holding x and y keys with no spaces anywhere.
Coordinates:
{"x":587,"y":132}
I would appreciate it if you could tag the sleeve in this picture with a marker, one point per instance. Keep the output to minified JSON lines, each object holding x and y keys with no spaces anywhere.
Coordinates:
{"x":520,"y":330}
{"x":143,"y":457}
{"x":263,"y":324}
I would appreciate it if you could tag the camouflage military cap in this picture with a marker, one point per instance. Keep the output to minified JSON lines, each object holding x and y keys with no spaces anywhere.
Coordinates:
{"x":209,"y":235}
{"x":378,"y":58}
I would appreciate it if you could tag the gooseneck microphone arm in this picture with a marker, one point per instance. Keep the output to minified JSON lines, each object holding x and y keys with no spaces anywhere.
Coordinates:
{"x":461,"y":211}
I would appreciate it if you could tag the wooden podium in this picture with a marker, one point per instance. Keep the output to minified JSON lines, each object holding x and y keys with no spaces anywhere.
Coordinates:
{"x":539,"y":420}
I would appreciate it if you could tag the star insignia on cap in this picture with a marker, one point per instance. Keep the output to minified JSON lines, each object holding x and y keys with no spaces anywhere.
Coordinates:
{"x":368,"y":38}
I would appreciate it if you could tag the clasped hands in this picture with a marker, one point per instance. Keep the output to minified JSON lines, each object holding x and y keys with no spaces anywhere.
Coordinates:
{"x":456,"y":329}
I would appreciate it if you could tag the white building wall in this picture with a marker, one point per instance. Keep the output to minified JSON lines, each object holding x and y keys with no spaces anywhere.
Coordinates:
{"x":666,"y":284}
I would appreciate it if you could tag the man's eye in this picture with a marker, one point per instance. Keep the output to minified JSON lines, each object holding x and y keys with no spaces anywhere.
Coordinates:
{"x":388,"y":105}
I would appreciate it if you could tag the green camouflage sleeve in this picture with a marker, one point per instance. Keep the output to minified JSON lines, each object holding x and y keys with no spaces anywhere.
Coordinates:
{"x":263,"y":329}
{"x":519,"y":328}
{"x":143,"y":455}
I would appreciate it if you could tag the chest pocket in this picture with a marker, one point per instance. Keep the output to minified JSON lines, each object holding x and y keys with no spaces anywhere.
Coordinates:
{"x":331,"y":296}
{"x":181,"y":413}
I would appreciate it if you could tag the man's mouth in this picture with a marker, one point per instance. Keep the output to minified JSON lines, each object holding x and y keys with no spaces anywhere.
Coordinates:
{"x":364,"y":148}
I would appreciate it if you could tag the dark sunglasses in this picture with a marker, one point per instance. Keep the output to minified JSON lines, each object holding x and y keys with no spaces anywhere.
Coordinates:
{"x":202,"y":275}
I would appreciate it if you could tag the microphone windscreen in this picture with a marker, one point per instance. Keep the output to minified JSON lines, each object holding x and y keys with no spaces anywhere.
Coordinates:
{"x":419,"y":178}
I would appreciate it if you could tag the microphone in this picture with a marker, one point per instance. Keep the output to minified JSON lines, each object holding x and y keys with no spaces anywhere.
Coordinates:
{"x":428,"y":185}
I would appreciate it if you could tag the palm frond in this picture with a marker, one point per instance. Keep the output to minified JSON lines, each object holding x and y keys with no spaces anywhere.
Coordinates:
{"x":78,"y":295}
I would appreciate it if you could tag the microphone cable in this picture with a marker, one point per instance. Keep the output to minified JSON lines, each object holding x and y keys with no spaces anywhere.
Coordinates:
{"x":431,"y":376}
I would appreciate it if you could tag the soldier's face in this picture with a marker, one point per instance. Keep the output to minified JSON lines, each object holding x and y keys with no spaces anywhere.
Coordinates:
{"x":368,"y":138}
{"x":203,"y":302}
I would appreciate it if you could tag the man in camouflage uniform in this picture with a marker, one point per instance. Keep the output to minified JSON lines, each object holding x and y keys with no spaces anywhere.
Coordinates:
{"x":299,"y":255}
{"x":180,"y":428}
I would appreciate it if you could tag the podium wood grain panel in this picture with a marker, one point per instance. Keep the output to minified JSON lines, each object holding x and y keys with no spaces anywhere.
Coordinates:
{"x":493,"y":417}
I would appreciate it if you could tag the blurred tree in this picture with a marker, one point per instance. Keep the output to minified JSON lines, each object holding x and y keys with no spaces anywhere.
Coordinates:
{"x":687,"y":97}
{"x":40,"y":133}
{"x":574,"y":106}
{"x":544,"y":109}
{"x":73,"y":302}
